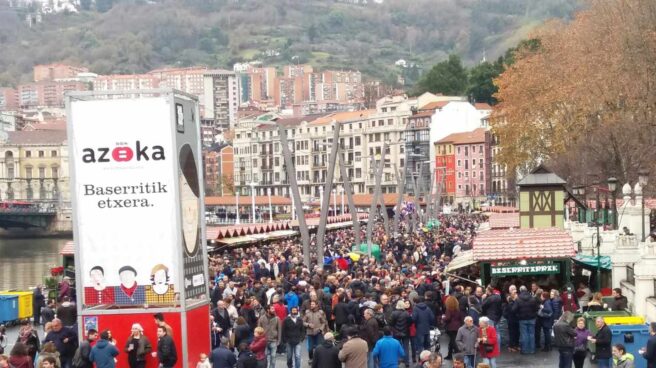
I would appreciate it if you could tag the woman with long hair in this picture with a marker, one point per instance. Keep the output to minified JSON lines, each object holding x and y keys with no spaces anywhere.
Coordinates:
{"x":453,"y":320}
{"x":258,"y":347}
{"x":48,"y":350}
{"x":137,"y":346}
{"x":20,"y":357}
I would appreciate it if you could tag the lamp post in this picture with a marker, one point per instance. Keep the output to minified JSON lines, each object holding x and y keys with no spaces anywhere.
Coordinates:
{"x":253,"y":184}
{"x":341,"y":190}
{"x":643,"y":177}
{"x":612,"y":186}
{"x":580,"y":192}
{"x":270,"y":208}
{"x":237,"y":220}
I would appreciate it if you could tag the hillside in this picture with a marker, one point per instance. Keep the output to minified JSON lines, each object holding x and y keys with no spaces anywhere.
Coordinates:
{"x":121,"y":36}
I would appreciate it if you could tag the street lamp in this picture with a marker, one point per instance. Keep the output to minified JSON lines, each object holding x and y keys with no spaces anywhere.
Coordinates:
{"x":612,"y":186}
{"x":253,"y":184}
{"x":270,"y":208}
{"x":579,"y":191}
{"x":643,"y":177}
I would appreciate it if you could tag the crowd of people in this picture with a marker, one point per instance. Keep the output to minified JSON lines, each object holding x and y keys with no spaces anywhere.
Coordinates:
{"x":352,"y":310}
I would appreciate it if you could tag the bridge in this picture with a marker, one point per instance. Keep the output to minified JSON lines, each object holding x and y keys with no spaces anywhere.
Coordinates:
{"x":27,"y":214}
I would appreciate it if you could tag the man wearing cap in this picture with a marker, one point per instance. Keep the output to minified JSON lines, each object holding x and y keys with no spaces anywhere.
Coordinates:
{"x":137,"y":347}
{"x":129,"y":292}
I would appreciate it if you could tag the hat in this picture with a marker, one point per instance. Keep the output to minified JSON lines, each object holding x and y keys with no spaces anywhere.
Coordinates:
{"x":400,"y":304}
{"x":136,"y":326}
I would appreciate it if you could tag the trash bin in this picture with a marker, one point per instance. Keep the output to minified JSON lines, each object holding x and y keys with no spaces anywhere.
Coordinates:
{"x":25,"y":310}
{"x":590,"y":318}
{"x":630,"y":320}
{"x":633,"y":337}
{"x":8,"y":309}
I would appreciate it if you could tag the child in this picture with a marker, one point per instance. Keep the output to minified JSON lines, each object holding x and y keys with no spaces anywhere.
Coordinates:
{"x":204,"y":362}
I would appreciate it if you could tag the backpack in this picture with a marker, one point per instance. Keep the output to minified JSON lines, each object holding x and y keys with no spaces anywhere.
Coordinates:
{"x":78,"y":359}
{"x":247,"y":360}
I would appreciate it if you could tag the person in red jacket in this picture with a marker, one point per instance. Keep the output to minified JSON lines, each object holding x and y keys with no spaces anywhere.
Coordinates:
{"x":258,"y":347}
{"x":487,"y":342}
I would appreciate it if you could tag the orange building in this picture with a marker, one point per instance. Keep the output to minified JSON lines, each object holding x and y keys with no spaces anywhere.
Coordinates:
{"x":445,"y":169}
{"x":49,"y":72}
{"x":226,"y":170}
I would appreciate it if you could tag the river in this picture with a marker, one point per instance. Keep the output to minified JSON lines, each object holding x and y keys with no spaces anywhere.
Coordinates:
{"x":25,"y":262}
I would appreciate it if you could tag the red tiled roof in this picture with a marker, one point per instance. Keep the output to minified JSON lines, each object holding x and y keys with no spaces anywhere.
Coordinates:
{"x":516,"y":244}
{"x":314,"y":221}
{"x":475,"y":136}
{"x":222,"y":232}
{"x":37,"y":137}
{"x":482,"y":106}
{"x":434,"y":105}
{"x":422,"y":114}
{"x":504,"y":220}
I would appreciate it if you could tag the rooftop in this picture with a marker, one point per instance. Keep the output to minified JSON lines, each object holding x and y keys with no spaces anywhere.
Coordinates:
{"x":434,"y":105}
{"x":475,"y":136}
{"x":520,"y":244}
{"x":541,"y":176}
{"x":342,"y":117}
{"x":36,"y":137}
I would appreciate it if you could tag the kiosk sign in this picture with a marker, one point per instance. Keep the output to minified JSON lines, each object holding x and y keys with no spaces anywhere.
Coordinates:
{"x":528,"y":269}
{"x":123,"y":158}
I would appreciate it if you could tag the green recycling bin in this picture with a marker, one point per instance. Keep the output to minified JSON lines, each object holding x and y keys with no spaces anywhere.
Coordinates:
{"x":590,"y":318}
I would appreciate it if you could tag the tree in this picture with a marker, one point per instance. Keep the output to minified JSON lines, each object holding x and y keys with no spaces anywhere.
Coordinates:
{"x":582,"y":97}
{"x":312,"y":33}
{"x":448,"y":77}
{"x":481,"y":81}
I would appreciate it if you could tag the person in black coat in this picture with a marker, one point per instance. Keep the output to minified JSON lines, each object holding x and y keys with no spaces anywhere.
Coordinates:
{"x":492,"y":306}
{"x":293,"y":333}
{"x":649,"y":352}
{"x":341,"y":313}
{"x":400,"y":322}
{"x":38,"y":302}
{"x":166,"y":352}
{"x":65,"y":340}
{"x":602,"y":341}
{"x":424,"y":319}
{"x":222,"y":356}
{"x":326,"y":355}
{"x":526,"y":309}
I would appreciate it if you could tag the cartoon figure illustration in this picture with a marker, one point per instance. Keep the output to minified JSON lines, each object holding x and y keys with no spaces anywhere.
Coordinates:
{"x":189,"y":194}
{"x":129,"y":292}
{"x":160,"y":291}
{"x":98,"y":293}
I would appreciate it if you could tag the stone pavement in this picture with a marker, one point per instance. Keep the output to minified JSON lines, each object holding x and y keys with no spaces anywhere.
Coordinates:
{"x":506,"y":360}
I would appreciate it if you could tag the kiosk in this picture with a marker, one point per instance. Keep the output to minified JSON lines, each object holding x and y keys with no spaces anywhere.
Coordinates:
{"x":138,"y":208}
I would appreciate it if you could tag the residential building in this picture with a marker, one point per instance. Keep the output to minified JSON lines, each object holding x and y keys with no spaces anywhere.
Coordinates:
{"x":34,"y":166}
{"x":502,"y":189}
{"x":8,"y":99}
{"x":454,"y":117}
{"x":221,"y":95}
{"x":226,"y":171}
{"x":473,"y":165}
{"x":445,"y":174}
{"x":211,"y":172}
{"x":288,"y":91}
{"x":417,"y":149}
{"x":189,"y":80}
{"x":51,"y":72}
{"x":47,"y":93}
{"x":124,"y":82}
{"x":259,"y":163}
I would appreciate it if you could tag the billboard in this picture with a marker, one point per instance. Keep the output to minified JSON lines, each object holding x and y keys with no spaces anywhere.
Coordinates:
{"x":124,"y":161}
{"x":191,"y":192}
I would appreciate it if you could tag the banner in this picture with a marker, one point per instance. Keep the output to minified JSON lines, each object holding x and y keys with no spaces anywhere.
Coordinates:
{"x":529,"y":269}
{"x":125,"y":207}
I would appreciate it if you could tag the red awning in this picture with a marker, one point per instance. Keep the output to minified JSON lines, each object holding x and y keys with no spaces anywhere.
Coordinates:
{"x":517,"y":244}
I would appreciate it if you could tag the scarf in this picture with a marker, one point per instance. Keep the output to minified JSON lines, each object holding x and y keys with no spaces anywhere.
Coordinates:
{"x":25,"y":334}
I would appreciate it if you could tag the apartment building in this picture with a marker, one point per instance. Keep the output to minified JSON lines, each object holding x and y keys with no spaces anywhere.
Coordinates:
{"x":51,"y":72}
{"x":189,"y":80}
{"x":123,"y":82}
{"x":221,"y":97}
{"x":259,"y":163}
{"x":46,"y":93}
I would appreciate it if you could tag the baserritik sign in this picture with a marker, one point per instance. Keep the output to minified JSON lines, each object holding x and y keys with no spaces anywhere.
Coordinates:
{"x":529,"y":269}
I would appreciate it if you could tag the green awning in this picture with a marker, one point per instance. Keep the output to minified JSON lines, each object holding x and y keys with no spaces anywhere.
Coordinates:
{"x":592,"y":262}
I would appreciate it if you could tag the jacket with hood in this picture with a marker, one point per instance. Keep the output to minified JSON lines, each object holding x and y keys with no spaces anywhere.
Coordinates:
{"x":103,"y":353}
{"x":525,"y":307}
{"x":400,"y":323}
{"x":423,"y":318}
{"x":388,"y":350}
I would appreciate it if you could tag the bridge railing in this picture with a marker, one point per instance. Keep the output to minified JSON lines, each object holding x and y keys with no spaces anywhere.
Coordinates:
{"x":34,"y":207}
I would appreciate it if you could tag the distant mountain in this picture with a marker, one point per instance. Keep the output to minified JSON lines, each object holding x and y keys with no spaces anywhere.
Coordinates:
{"x":121,"y":36}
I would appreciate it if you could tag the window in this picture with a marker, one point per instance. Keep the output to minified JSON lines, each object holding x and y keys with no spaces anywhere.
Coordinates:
{"x":28,"y":153}
{"x":466,"y":150}
{"x":55,"y":172}
{"x":459,"y":163}
{"x":473,"y":149}
{"x":480,"y":164}
{"x":42,"y":153}
{"x":480,"y":148}
{"x":480,"y":174}
{"x":402,"y":162}
{"x":630,"y":274}
{"x":474,"y":174}
{"x":458,"y":150}
{"x":42,"y":172}
{"x":384,"y":109}
{"x":390,"y":121}
{"x":459,"y":175}
{"x":28,"y":172}
{"x":473,"y":162}
{"x":466,"y":174}
{"x":466,"y":164}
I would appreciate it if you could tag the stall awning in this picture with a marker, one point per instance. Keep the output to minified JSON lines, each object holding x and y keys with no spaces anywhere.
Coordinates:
{"x":591,"y":262}
{"x":237,"y":240}
{"x":463,"y":259}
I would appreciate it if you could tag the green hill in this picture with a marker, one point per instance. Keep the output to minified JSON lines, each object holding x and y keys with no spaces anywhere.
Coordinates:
{"x":136,"y":36}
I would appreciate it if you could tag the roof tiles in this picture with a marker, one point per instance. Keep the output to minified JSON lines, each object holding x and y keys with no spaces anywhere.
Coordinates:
{"x":517,"y":244}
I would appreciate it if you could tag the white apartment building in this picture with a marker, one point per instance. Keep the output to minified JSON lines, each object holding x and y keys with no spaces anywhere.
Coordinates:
{"x":259,"y":163}
{"x":221,"y":98}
